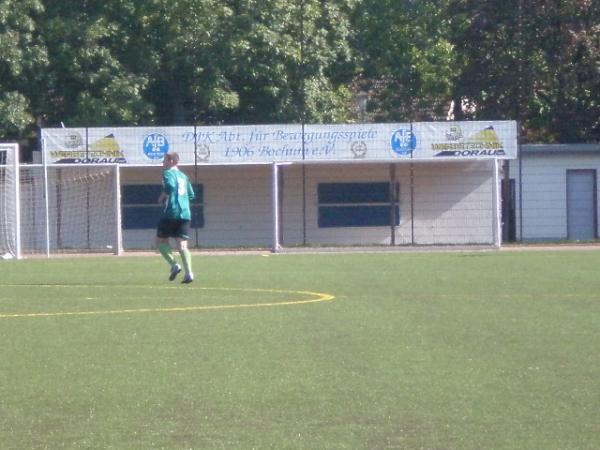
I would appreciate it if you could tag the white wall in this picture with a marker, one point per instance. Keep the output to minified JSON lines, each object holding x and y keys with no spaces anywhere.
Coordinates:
{"x":237,"y":205}
{"x":315,"y":174}
{"x":453,"y":203}
{"x":238,"y":209}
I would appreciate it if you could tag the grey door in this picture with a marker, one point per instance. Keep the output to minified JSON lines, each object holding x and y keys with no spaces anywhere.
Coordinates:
{"x":581,"y":204}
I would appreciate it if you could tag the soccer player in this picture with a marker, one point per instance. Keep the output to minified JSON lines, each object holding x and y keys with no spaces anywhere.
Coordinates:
{"x":175,"y":221}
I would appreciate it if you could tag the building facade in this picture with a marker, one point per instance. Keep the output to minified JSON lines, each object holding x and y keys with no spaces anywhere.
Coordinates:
{"x":556,"y":192}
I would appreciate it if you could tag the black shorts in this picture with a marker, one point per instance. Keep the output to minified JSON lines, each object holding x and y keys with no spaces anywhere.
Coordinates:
{"x":173,"y":228}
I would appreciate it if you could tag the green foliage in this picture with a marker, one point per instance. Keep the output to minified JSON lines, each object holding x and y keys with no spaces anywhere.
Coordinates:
{"x":14,"y":112}
{"x":532,"y":60}
{"x":408,"y":60}
{"x":569,"y":82}
{"x":22,"y":56}
{"x":140,"y":62}
{"x":284,"y":60}
{"x":90,"y":81}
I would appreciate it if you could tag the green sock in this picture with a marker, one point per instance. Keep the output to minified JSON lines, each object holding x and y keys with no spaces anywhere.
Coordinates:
{"x":165,"y":251}
{"x":186,"y":258}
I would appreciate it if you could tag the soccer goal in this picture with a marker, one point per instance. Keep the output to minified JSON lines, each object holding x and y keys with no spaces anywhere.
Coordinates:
{"x":60,"y":208}
{"x":82,"y":209}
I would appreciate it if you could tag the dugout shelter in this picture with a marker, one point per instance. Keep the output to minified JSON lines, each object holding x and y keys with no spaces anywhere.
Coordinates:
{"x":263,"y":186}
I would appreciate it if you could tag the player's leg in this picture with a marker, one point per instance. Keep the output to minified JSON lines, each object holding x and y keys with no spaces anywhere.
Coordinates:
{"x":182,"y":234}
{"x":162,"y":243}
{"x":186,"y":258}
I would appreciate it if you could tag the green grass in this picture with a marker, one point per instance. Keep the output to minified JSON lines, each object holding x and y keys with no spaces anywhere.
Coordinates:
{"x":485,"y":350}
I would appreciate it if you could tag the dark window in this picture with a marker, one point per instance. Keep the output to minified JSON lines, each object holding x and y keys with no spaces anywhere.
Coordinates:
{"x":141,"y":210}
{"x":356,"y":205}
{"x":354,"y":193}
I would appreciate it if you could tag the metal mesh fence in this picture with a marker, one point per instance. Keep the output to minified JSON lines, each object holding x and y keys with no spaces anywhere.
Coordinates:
{"x":270,"y":186}
{"x":327,"y":205}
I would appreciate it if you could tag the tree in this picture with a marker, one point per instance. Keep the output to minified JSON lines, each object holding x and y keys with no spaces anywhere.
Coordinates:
{"x":135,"y":62}
{"x":90,"y":81}
{"x":408,"y":61}
{"x":209,"y":61}
{"x":187,"y":44}
{"x":138,"y":62}
{"x":286,"y":60}
{"x":531,"y":60}
{"x":565,"y":102}
{"x":488,"y":39}
{"x":22,"y":55}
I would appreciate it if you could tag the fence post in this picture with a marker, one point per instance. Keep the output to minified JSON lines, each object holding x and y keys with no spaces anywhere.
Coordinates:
{"x":275,"y":206}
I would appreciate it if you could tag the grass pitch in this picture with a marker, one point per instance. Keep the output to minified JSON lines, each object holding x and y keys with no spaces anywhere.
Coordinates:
{"x":486,"y":350}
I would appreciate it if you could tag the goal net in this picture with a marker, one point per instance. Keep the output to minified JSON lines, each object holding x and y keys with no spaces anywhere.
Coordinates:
{"x":58,"y":208}
{"x":10,"y":246}
{"x":70,"y":209}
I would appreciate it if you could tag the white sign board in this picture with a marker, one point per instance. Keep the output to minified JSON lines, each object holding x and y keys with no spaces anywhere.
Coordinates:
{"x":282,"y":143}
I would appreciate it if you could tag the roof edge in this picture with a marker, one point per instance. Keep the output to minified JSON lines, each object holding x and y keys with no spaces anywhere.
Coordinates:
{"x":560,"y":148}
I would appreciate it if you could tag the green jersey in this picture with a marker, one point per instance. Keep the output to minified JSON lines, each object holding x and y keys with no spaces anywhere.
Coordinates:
{"x":180,"y":193}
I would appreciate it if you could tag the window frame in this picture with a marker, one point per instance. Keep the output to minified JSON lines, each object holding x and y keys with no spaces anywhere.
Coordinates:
{"x":357,"y":204}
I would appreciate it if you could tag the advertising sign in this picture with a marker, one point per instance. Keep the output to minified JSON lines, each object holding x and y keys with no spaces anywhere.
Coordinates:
{"x":282,"y":143}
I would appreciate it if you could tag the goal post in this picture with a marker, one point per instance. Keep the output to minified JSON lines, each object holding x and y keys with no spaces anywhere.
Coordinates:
{"x":10,"y":203}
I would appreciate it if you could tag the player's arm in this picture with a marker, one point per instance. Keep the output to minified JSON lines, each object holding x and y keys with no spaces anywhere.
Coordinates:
{"x":191,"y":193}
{"x":162,"y":198}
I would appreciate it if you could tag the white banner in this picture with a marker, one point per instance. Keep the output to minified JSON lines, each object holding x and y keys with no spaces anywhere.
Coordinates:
{"x":282,"y":143}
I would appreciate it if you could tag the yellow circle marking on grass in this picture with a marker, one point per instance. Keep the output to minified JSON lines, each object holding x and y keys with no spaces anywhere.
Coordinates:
{"x":319,"y":297}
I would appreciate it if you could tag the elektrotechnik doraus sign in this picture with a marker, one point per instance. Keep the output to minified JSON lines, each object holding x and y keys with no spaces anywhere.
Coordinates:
{"x":281,"y":143}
